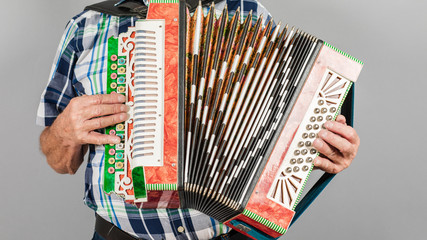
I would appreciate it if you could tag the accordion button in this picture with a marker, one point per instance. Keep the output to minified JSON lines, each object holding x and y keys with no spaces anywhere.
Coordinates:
{"x":324,"y":110}
{"x":300,"y":160}
{"x":293,"y":161}
{"x":113,"y":76}
{"x":181,"y":229}
{"x":111,"y":160}
{"x":112,"y":151}
{"x":312,"y":135}
{"x":301,"y":144}
{"x":316,"y":110}
{"x":121,"y":80}
{"x":113,"y":66}
{"x":122,"y":61}
{"x":320,"y":102}
{"x":319,"y":118}
{"x":297,"y":152}
{"x":121,"y":89}
{"x":329,"y":118}
{"x":304,"y":151}
{"x":305,"y":135}
{"x":305,"y":168}
{"x":122,"y":70}
{"x":315,"y":126}
{"x":113,"y":57}
{"x":119,"y":156}
{"x":312,"y":119}
{"x":309,"y":160}
{"x":333,"y":109}
{"x":120,"y":127}
{"x":309,"y":127}
{"x":313,"y":151}
{"x":111,"y":170}
{"x":119,"y":165}
{"x":307,"y":144}
{"x":112,"y":132}
{"x":289,"y":169}
{"x":296,"y":169}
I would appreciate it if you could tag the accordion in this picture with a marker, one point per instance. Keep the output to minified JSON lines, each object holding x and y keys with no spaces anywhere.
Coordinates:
{"x":223,"y":113}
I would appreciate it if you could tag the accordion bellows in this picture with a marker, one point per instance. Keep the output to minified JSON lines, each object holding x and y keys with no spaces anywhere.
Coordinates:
{"x":224,"y":110}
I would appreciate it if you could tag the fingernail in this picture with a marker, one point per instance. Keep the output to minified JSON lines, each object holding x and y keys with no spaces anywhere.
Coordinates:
{"x":318,"y":143}
{"x":316,"y":162}
{"x":122,"y":98}
{"x":116,"y":140}
{"x":322,"y":133}
{"x":328,"y":124}
{"x":123,"y":108}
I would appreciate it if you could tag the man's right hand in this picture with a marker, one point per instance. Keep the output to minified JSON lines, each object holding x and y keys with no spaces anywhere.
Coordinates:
{"x":65,"y":142}
{"x":85,"y":114}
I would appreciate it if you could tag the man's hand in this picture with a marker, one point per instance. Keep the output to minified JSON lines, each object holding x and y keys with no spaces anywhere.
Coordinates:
{"x":65,"y":142}
{"x":337,"y":145}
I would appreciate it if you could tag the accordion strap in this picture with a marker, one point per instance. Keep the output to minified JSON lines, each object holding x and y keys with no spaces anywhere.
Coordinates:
{"x":347,"y":111}
{"x":136,"y":8}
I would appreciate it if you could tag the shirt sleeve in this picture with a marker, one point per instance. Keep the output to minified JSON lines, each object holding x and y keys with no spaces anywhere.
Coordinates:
{"x":59,"y":90}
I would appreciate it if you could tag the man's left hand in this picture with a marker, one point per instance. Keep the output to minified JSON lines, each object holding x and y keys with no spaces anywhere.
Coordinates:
{"x":337,"y":145}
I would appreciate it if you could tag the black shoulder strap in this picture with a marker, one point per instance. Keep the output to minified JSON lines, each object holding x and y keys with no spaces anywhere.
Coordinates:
{"x":126,"y":9}
{"x":136,"y":8}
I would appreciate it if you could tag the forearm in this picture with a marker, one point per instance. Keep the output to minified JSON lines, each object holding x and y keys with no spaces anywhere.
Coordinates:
{"x":62,"y":156}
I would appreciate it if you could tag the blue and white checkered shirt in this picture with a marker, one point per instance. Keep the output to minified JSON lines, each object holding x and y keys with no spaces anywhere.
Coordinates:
{"x":80,"y":67}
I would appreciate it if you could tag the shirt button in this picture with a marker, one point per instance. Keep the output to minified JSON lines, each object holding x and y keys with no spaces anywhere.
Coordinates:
{"x":181,"y":229}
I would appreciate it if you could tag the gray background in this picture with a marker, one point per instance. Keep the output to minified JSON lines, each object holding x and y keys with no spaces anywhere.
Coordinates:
{"x":381,"y":196}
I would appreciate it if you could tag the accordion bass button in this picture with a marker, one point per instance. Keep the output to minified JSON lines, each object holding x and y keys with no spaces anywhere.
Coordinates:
{"x":305,"y":135}
{"x":309,"y":127}
{"x":312,"y":135}
{"x":297,"y":152}
{"x":296,"y":169}
{"x":289,"y":170}
{"x":305,"y":168}
{"x":319,"y":118}
{"x":333,"y":110}
{"x":304,"y":151}
{"x":324,"y":110}
{"x":309,"y":160}
{"x":320,"y":102}
{"x":293,"y":161}
{"x":300,"y":160}
{"x":316,"y":110}
{"x":312,"y":119}
{"x":315,"y":126}
{"x":301,"y":144}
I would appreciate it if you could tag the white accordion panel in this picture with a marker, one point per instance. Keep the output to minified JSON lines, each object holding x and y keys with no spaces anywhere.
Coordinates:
{"x":149,"y":86}
{"x":296,"y":166}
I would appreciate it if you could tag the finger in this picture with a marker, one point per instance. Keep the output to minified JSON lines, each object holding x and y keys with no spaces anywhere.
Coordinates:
{"x":344,"y":131}
{"x":326,"y":165}
{"x":103,"y":99}
{"x":325,"y":149}
{"x":100,"y":139}
{"x":103,"y":110}
{"x":339,"y":143}
{"x":341,"y":119}
{"x":103,"y":122}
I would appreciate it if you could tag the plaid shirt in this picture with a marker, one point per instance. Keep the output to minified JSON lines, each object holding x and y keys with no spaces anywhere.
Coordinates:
{"x":80,"y":67}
